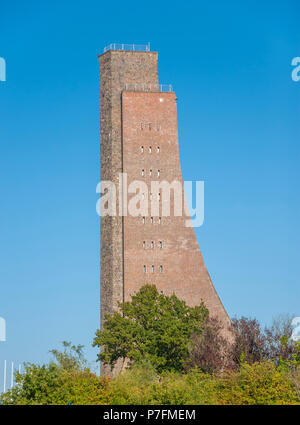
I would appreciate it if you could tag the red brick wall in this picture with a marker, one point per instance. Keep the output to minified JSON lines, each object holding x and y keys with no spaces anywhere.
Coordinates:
{"x":122,"y":254}
{"x":184,"y":271}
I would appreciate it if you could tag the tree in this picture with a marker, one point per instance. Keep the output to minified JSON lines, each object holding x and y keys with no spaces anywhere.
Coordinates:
{"x":64,"y":381}
{"x":281,"y":347}
{"x":250,"y":342}
{"x":209,"y":351}
{"x":71,"y":358}
{"x":254,"y":344}
{"x":151,"y":326}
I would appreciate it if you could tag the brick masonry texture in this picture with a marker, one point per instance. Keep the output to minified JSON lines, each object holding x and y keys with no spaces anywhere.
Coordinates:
{"x":117,"y":68}
{"x":131,"y":120}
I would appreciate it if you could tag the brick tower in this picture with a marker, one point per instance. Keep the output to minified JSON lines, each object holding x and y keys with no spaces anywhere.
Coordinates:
{"x":139,"y":137}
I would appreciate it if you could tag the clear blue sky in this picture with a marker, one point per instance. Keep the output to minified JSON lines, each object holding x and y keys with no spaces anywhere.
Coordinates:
{"x":238,"y":110}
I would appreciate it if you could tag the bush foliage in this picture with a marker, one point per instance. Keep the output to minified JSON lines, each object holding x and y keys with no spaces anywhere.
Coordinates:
{"x":178,"y":356}
{"x":64,"y":381}
{"x":152,"y":326}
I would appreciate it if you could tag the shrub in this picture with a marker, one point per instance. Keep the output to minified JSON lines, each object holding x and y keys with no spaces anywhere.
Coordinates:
{"x":141,"y":385}
{"x":65,"y":381}
{"x":259,"y":383}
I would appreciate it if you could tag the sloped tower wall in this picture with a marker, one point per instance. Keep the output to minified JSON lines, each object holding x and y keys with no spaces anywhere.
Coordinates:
{"x":139,"y":137}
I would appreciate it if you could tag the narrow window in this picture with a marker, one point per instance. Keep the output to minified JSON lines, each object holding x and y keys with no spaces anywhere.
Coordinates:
{"x":144,"y":220}
{"x":158,"y":149}
{"x":160,"y":244}
{"x":144,"y":244}
{"x":152,"y":268}
{"x":143,"y":172}
{"x":152,"y":244}
{"x":150,"y":172}
{"x":151,"y":219}
{"x":143,"y":196}
{"x":142,"y":149}
{"x":158,"y":173}
{"x":159,"y":196}
{"x":145,"y":269}
{"x":150,"y":149}
{"x":159,"y":220}
{"x":161,"y":269}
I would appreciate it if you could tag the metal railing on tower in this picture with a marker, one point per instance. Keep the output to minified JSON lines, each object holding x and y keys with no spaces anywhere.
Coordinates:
{"x":148,"y":87}
{"x":129,"y":47}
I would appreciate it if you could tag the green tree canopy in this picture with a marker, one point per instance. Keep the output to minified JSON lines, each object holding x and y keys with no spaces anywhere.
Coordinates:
{"x":63,"y":381}
{"x":151,"y":326}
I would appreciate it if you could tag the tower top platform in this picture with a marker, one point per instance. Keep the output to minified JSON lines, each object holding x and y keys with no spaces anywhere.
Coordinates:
{"x":128,"y":47}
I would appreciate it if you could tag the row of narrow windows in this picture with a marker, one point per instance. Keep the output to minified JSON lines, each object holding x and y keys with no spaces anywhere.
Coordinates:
{"x":150,"y":149}
{"x":152,"y":244}
{"x":152,"y":269}
{"x":151,"y":220}
{"x":150,"y":173}
{"x":150,"y":126}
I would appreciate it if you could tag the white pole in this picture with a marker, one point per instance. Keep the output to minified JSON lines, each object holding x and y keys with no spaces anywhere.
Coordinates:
{"x":12,"y":375}
{"x":4,"y":377}
{"x":19,"y":368}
